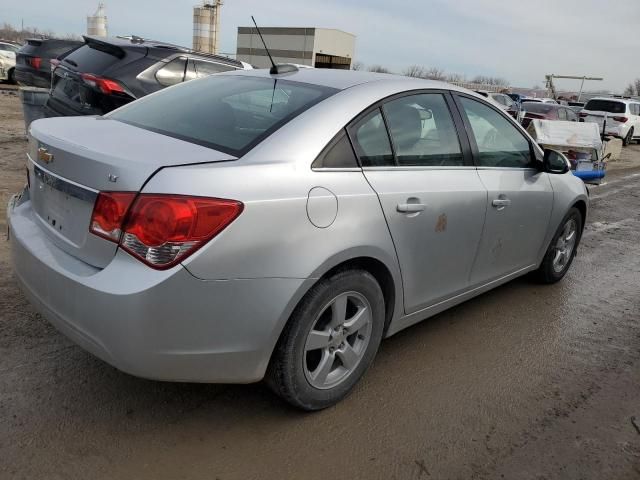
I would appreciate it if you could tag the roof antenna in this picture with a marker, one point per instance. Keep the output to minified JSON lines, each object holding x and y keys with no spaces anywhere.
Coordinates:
{"x":275,"y":69}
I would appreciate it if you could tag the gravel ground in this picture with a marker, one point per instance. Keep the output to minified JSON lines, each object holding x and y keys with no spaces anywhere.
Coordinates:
{"x":524,"y":382}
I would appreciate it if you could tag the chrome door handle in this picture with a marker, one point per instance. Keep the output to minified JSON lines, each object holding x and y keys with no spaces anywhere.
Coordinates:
{"x":410,"y":207}
{"x":501,"y":202}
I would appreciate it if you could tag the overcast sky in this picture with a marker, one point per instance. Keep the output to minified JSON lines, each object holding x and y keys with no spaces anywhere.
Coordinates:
{"x":516,"y":39}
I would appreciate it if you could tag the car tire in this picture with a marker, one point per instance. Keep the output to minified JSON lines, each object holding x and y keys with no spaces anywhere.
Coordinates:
{"x":628,"y":139}
{"x":562,"y":249}
{"x":322,"y":352}
{"x":11,"y":77}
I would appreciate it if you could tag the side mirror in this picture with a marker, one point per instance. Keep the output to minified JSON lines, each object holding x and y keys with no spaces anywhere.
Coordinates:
{"x":555,"y":162}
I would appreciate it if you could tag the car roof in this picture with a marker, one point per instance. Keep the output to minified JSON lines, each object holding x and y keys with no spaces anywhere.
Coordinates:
{"x":133,"y":41}
{"x":343,"y":79}
{"x":614,"y":99}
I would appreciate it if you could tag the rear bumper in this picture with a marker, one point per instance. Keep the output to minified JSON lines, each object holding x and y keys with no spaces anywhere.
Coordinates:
{"x":32,"y":77}
{"x":160,"y":325}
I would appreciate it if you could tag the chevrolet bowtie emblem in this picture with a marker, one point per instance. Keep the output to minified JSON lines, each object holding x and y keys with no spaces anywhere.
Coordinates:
{"x":44,"y":155}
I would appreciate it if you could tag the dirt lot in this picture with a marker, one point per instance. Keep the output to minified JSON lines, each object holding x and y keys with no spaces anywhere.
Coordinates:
{"x":525,"y":382}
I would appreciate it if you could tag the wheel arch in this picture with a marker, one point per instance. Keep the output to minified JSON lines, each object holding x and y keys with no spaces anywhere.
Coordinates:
{"x":581,"y":205}
{"x":380,"y":272}
{"x":383,"y":268}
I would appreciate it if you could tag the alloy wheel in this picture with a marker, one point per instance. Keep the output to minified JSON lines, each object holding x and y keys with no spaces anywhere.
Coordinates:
{"x":337,"y":340}
{"x":565,"y":245}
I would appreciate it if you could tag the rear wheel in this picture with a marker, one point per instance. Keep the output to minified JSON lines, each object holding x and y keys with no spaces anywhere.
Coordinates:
{"x":329,"y":342}
{"x":12,"y":76}
{"x":627,"y":140}
{"x":562,"y":249}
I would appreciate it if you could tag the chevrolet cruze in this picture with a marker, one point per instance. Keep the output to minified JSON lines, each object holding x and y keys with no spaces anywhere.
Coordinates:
{"x":251,"y":225}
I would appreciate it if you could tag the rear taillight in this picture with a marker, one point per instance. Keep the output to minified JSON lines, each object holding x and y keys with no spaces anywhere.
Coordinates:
{"x":35,"y":62}
{"x":108,"y":214}
{"x":105,"y":85}
{"x":583,"y":115}
{"x":620,"y":119}
{"x":161,"y":230}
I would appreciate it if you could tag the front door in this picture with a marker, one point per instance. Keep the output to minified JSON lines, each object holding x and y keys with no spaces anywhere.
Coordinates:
{"x":520,"y":197}
{"x":431,"y":195}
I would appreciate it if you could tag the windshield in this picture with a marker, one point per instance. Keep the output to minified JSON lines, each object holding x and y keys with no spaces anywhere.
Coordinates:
{"x":606,"y":106}
{"x":229,"y":113}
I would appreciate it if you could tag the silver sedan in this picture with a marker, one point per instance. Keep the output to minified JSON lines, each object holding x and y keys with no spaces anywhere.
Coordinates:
{"x":249,"y":225}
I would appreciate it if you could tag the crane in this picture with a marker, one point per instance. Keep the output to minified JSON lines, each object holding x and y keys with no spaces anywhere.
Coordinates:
{"x":551,"y":87}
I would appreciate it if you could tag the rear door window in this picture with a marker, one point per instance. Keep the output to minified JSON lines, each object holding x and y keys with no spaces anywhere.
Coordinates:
{"x":204,"y":68}
{"x":499,"y":142}
{"x":371,"y":141}
{"x":423,"y":132}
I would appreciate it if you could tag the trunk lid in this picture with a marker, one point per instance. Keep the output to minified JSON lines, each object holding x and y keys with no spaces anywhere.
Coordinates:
{"x":74,"y":158}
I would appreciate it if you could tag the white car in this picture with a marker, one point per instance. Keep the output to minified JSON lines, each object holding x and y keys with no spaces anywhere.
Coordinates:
{"x":503,"y":99}
{"x":8,"y":61}
{"x":622,"y":116}
{"x":497,"y":99}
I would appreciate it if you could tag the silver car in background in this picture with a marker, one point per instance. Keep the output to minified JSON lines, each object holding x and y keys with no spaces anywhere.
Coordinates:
{"x":249,"y":225}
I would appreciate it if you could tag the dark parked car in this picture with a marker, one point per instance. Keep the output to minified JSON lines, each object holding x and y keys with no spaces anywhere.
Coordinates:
{"x":104,"y":74}
{"x":33,"y":60}
{"x":546,"y":111}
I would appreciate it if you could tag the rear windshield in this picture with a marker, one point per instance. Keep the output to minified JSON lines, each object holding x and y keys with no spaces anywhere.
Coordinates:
{"x":606,"y":106}
{"x":229,"y":113}
{"x":539,"y":107}
{"x":91,"y":60}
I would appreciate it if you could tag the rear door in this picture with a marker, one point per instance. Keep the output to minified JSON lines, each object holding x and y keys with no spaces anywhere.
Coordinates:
{"x":431,"y":195}
{"x":634,"y":109}
{"x":520,"y":196}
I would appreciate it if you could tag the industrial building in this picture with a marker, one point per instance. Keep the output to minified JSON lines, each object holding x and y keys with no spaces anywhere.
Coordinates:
{"x":315,"y":47}
{"x":97,"y":23}
{"x":206,"y":26}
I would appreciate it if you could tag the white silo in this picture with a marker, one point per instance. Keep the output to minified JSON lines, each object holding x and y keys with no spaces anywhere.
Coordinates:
{"x":206,"y":26}
{"x":97,"y":23}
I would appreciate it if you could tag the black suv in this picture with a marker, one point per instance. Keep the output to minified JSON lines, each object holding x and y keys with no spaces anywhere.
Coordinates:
{"x":105,"y":74}
{"x":33,"y":60}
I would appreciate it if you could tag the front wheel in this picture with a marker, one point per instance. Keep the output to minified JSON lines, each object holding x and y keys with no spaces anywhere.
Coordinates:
{"x":329,"y":342}
{"x":562,"y":249}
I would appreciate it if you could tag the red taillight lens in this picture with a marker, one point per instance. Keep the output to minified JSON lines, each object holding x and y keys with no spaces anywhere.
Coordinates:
{"x":35,"y":62}
{"x":105,"y":85}
{"x":583,"y":115}
{"x":161,"y":230}
{"x":620,"y":119}
{"x":108,"y":214}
